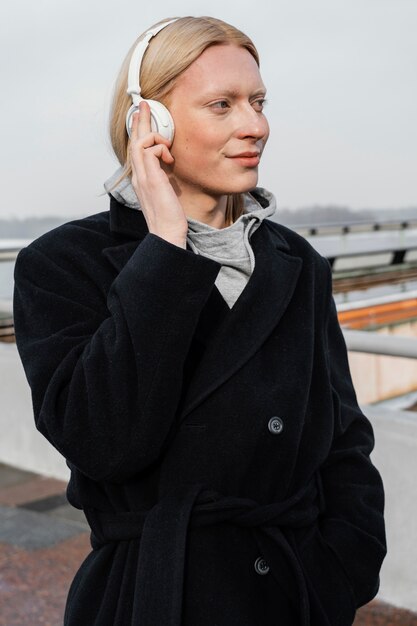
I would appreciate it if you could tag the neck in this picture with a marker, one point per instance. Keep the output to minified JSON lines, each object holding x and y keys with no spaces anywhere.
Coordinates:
{"x":209,"y":209}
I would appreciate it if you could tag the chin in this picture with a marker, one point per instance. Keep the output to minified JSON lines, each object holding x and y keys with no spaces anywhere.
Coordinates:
{"x":240,"y":184}
{"x":246,"y":185}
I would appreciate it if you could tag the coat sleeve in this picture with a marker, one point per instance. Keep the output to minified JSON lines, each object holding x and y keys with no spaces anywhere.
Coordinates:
{"x":105,"y":371}
{"x":353,"y":523}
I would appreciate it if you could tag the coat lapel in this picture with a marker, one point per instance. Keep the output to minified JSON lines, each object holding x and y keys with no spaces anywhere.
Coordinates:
{"x":237,"y":333}
{"x":252,"y":318}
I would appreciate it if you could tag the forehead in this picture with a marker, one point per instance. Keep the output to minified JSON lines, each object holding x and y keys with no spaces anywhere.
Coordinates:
{"x":221,"y":67}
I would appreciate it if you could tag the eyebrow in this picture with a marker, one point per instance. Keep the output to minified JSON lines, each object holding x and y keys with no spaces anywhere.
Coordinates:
{"x":231,"y":93}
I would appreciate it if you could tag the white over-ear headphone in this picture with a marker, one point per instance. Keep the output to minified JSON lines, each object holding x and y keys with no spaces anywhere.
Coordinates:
{"x":161,"y":119}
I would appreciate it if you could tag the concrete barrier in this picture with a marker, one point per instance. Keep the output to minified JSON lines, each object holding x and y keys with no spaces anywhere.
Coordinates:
{"x":377,"y":377}
{"x":21,"y":445}
{"x":395,"y":455}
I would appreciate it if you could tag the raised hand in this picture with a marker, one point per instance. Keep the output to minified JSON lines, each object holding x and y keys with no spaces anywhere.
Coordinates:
{"x":162,"y":210}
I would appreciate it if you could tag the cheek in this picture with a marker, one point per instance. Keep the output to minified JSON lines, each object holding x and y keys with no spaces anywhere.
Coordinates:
{"x":195,"y":147}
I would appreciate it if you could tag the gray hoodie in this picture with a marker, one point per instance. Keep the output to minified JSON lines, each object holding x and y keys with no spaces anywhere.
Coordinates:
{"x":228,"y":246}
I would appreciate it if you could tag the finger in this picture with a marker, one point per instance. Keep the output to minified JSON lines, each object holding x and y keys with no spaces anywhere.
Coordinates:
{"x":138,"y":127}
{"x":165,"y":155}
{"x":154,"y":153}
{"x":144,"y":122}
{"x":149,"y":140}
{"x":148,"y":161}
{"x":138,"y":148}
{"x":134,"y":127}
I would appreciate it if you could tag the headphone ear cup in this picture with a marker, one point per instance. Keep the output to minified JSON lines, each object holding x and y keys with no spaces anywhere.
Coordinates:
{"x":161,"y":119}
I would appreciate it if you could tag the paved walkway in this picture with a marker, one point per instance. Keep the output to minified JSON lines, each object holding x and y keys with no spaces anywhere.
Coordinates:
{"x":43,"y":540}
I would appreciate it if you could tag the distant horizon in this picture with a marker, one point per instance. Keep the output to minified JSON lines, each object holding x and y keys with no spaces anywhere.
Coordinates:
{"x":309,"y":207}
{"x":31,"y":227}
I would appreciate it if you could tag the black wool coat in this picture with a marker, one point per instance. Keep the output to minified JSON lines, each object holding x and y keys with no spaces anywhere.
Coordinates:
{"x":219,"y":454}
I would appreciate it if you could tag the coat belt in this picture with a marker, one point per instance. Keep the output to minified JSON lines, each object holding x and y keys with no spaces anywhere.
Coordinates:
{"x":163,"y":533}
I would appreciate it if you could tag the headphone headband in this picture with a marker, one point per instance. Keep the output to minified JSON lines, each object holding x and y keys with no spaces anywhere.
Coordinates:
{"x":133,"y":86}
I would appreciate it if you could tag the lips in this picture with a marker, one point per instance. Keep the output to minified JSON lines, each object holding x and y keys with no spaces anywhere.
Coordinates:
{"x":247,"y":159}
{"x":245,"y":154}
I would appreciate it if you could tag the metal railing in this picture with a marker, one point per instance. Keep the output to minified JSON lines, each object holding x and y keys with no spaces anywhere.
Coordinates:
{"x":376,"y":343}
{"x":9,"y":248}
{"x":354,"y":226}
{"x":356,"y":340}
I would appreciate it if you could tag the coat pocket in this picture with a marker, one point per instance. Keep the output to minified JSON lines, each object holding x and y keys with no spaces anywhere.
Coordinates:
{"x":331,"y":595}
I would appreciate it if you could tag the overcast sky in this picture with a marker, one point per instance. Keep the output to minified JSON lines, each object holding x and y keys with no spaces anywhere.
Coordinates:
{"x":342,"y":90}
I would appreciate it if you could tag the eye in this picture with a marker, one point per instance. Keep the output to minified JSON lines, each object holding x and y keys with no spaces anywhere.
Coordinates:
{"x":221,"y":104}
{"x":259,"y":104}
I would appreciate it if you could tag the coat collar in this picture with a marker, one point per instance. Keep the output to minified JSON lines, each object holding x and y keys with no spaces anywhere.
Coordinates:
{"x":127,"y":221}
{"x":256,"y":312}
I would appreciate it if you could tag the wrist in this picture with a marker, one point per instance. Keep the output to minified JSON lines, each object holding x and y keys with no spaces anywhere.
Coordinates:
{"x":180,"y":241}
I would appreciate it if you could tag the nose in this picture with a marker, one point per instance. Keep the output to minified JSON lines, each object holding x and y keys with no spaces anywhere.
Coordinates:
{"x":252,"y":123}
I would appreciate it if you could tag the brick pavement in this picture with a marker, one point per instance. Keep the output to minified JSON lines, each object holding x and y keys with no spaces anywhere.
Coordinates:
{"x":43,"y":540}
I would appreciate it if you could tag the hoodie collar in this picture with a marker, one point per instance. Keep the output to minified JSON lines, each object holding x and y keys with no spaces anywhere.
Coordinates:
{"x":126,"y":216}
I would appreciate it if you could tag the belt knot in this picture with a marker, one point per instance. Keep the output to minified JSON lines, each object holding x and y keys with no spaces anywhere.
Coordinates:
{"x":163,"y":530}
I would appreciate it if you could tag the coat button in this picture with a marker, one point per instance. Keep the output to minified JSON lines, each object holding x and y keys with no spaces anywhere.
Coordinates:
{"x":261,"y":566}
{"x":276,"y":425}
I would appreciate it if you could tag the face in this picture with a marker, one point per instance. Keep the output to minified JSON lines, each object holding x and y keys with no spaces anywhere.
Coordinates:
{"x":217,"y":107}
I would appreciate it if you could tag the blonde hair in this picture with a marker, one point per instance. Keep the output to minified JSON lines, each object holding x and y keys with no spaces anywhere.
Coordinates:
{"x":169,"y":54}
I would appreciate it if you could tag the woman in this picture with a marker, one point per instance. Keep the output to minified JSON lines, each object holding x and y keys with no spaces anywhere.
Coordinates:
{"x":185,"y":357}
